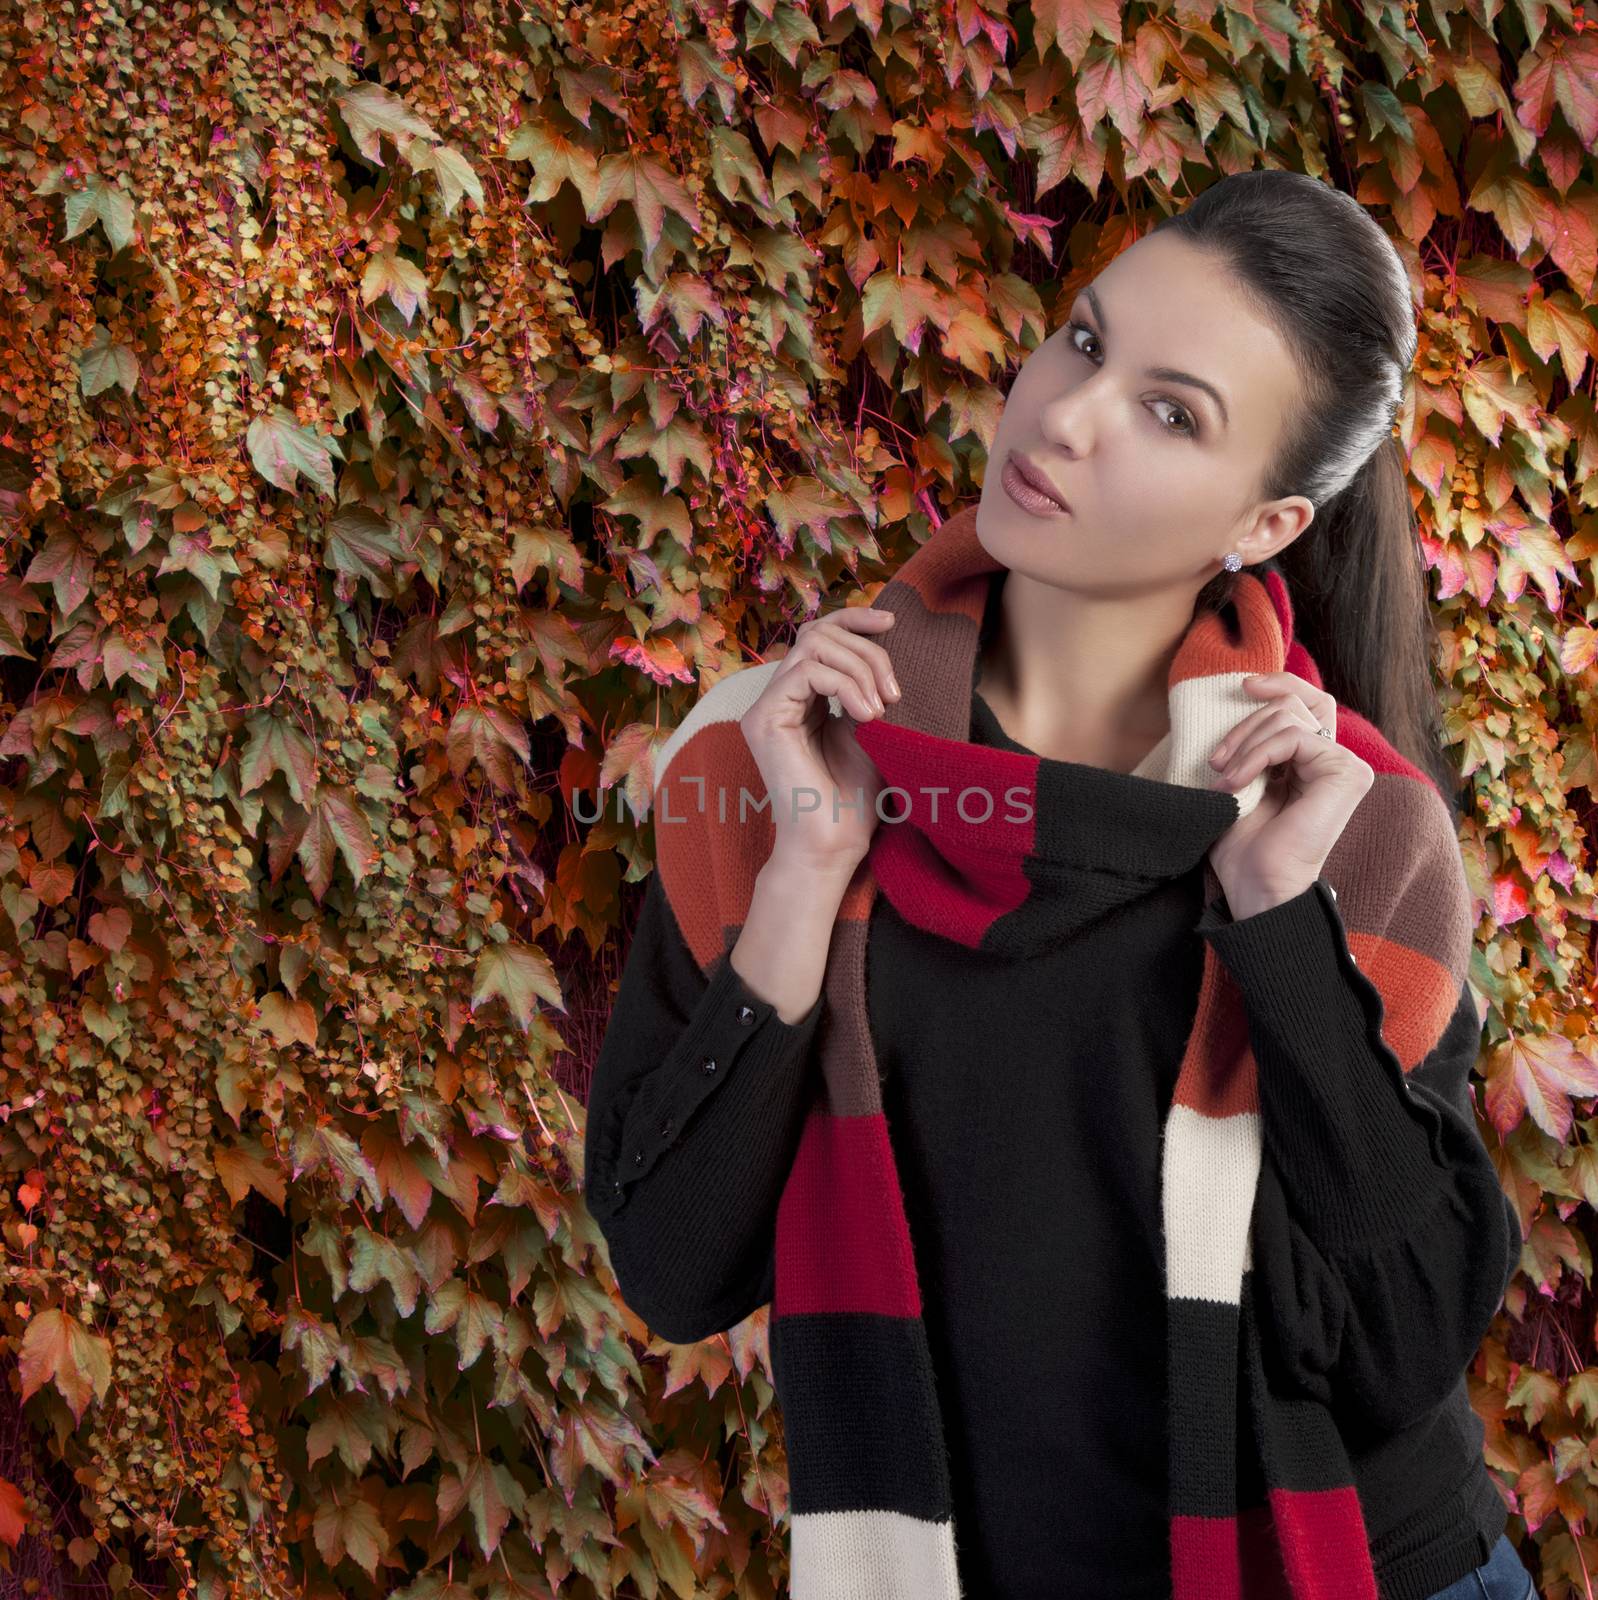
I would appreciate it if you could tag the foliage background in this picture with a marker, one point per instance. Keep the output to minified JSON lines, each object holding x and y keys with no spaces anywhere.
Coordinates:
{"x":408,"y":410}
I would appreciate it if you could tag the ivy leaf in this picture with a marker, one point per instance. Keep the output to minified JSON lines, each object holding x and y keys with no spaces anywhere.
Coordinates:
{"x":144,"y":663}
{"x":67,"y":565}
{"x":1538,"y":1072}
{"x":630,"y":755}
{"x":375,"y":1257}
{"x":399,"y":278}
{"x":1561,"y":72}
{"x":243,"y":1167}
{"x":334,"y":820}
{"x":556,"y":159}
{"x":195,"y":556}
{"x":1069,"y":25}
{"x":104,"y":363}
{"x":481,"y":406}
{"x":276,"y":744}
{"x":350,"y":1424}
{"x":99,"y":201}
{"x":369,"y":111}
{"x":905,"y":303}
{"x":671,"y":447}
{"x":349,"y":1525}
{"x":110,"y":928}
{"x":474,"y":1317}
{"x":399,"y":1173}
{"x":365,"y":545}
{"x":806,"y":503}
{"x":58,"y":1348}
{"x":653,"y":190}
{"x":518,"y":974}
{"x":1492,"y":395}
{"x":321,"y":1144}
{"x":282,"y":448}
{"x":13,"y":1513}
{"x":456,"y":175}
{"x":1582,"y":1391}
{"x":289,"y":1021}
{"x":655,"y":513}
{"x":660,"y":658}
{"x":490,"y":736}
{"x":491,"y":1493}
{"x":1531,"y":550}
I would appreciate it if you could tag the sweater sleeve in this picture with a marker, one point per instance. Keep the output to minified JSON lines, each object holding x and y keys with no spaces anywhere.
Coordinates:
{"x":695,"y":1110}
{"x":1394,"y":1241}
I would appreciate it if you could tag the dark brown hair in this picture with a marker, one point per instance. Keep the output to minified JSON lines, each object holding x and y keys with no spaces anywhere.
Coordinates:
{"x":1315,"y":264}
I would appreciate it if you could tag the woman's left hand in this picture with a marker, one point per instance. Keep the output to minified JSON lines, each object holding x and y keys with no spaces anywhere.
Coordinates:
{"x":1277,"y":850}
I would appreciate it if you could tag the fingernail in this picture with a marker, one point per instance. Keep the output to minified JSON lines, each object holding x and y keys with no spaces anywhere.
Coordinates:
{"x":893,"y":685}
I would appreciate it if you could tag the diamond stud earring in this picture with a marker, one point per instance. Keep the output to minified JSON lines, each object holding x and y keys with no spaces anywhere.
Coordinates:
{"x":1232,"y":561}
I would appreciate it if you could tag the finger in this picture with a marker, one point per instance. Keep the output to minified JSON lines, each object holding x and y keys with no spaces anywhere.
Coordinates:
{"x":826,"y":678}
{"x":1244,"y":768}
{"x":835,"y":652}
{"x":1242,"y":732}
{"x":877,"y":658}
{"x":1281,"y":722}
{"x":1318,"y":702}
{"x":852,"y":654}
{"x":870,"y":619}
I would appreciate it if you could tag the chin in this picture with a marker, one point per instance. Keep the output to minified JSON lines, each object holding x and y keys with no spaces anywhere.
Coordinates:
{"x":1003,"y":528}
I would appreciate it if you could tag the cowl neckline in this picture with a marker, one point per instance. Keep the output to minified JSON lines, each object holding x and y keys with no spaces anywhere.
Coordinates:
{"x":992,"y":845}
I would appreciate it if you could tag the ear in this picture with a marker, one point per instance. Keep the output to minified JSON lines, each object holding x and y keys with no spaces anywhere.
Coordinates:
{"x":1275,"y":526}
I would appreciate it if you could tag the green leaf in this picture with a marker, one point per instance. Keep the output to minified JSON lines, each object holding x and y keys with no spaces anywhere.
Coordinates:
{"x":369,"y":111}
{"x":456,"y":175}
{"x":104,"y":363}
{"x":518,"y":974}
{"x":317,"y":1145}
{"x":490,"y":1491}
{"x":99,"y":201}
{"x":348,"y":1524}
{"x":474,"y":1317}
{"x":144,"y":663}
{"x":399,"y":278}
{"x":490,"y":736}
{"x":652,"y":188}
{"x":318,"y":1343}
{"x":375,"y":1257}
{"x":66,"y":564}
{"x":282,"y":449}
{"x":186,"y":553}
{"x":335,"y":821}
{"x":277,"y":745}
{"x":556,"y":159}
{"x":365,"y":545}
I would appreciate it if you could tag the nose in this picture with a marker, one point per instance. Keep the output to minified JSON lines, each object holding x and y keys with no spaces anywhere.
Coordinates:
{"x":1070,"y":419}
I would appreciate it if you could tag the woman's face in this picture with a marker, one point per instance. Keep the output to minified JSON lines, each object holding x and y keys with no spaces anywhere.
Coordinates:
{"x":1160,"y":473}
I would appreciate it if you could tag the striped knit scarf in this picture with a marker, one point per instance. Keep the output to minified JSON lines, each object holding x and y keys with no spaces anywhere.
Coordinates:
{"x":1262,"y":1498}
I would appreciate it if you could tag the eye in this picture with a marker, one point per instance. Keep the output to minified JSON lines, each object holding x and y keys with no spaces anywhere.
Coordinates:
{"x":1188,"y":431}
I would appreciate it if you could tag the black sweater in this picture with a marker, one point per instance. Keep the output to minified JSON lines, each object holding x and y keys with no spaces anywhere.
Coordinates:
{"x":998,"y":1096}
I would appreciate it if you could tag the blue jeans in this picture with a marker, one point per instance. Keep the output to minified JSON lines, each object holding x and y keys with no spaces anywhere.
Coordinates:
{"x":1499,"y":1577}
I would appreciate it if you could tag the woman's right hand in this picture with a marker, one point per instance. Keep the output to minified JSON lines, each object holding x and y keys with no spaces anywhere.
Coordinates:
{"x":809,"y":757}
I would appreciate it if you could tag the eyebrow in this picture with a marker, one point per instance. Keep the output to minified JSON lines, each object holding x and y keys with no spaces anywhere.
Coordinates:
{"x":1169,"y":374}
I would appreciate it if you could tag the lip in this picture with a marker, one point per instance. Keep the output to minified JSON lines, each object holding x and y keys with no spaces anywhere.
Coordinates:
{"x":1038,"y":478}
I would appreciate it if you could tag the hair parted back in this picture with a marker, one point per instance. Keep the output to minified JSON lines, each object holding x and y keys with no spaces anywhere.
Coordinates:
{"x":1316,"y":265}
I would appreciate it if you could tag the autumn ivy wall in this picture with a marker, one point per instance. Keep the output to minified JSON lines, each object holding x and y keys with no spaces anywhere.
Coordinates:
{"x":405,"y":412}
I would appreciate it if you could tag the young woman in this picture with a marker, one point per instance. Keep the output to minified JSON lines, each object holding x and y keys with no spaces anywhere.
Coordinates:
{"x":1217,"y":408}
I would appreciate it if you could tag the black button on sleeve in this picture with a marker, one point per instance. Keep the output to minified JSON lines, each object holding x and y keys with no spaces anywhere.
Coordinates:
{"x":697,"y":1101}
{"x":730,"y":1023}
